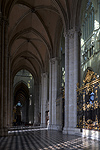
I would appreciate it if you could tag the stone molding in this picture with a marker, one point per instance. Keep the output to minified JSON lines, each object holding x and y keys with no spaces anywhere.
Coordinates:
{"x":70,"y":32}
{"x":53,"y":60}
{"x":3,"y":19}
{"x":44,"y":74}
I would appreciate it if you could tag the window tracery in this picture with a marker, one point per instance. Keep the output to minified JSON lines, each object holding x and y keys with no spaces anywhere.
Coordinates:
{"x":87,"y":39}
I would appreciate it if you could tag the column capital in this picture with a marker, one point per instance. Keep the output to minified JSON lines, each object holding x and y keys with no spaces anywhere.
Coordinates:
{"x":3,"y":19}
{"x":70,"y":32}
{"x":53,"y":60}
{"x":65,"y":33}
{"x":44,"y":74}
{"x":77,"y":29}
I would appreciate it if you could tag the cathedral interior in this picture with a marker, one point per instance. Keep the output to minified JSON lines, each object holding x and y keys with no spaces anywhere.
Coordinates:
{"x":49,"y":72}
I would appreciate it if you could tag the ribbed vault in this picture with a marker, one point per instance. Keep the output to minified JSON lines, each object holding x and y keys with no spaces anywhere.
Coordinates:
{"x":21,"y":93}
{"x":35,"y":29}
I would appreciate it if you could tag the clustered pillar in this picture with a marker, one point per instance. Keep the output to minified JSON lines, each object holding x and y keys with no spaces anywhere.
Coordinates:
{"x":44,"y":80}
{"x":53,"y":82}
{"x":36,"y":105}
{"x":66,"y":83}
{"x":71,"y":79}
{"x":4,"y":97}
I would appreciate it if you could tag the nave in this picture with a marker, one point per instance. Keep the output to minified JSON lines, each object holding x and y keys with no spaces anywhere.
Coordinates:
{"x":44,"y":139}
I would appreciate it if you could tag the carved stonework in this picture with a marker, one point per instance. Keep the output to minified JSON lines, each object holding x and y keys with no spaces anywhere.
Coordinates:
{"x":53,"y":60}
{"x":89,"y":76}
{"x":71,"y":33}
{"x":45,"y":74}
{"x":65,"y":33}
{"x":88,"y":102}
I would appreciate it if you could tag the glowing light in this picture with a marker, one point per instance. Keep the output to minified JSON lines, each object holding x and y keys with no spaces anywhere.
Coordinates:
{"x":62,"y":69}
{"x":96,"y":24}
{"x":29,"y":122}
{"x":28,"y":85}
{"x":24,"y":129}
{"x":19,"y":104}
{"x":30,"y":102}
{"x":82,"y":42}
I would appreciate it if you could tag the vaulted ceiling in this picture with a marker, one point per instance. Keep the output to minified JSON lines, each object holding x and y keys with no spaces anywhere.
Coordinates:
{"x":21,"y":93}
{"x":34,"y":31}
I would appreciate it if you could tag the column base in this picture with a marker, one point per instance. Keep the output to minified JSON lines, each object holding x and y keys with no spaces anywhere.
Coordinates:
{"x":59,"y":127}
{"x":53,"y":127}
{"x":65,"y":130}
{"x":75,"y":131}
{"x":43,"y":125}
{"x":4,"y":132}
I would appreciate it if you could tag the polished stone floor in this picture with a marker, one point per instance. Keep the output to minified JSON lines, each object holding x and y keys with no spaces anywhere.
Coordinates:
{"x":43,"y":139}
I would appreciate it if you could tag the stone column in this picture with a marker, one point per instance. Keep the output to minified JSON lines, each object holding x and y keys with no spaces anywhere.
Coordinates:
{"x":59,"y":97}
{"x":8,"y":96}
{"x":71,"y":80}
{"x":54,"y":91}
{"x":53,"y":82}
{"x":44,"y":98}
{"x":66,"y":83}
{"x":1,"y":77}
{"x":31,"y":103}
{"x":11,"y":98}
{"x":76,"y":70}
{"x":5,"y":90}
{"x":36,"y":104}
{"x":4,"y":63}
{"x":50,"y":95}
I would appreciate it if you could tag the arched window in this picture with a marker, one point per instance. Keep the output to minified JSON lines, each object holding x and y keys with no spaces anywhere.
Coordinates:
{"x":88,"y":21}
{"x":87,"y":42}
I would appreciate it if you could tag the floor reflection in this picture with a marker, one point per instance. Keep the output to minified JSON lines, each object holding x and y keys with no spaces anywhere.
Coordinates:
{"x":43,"y":139}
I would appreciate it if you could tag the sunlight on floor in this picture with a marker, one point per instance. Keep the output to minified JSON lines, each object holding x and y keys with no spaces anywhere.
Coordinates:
{"x":26,"y":130}
{"x":44,"y":139}
{"x":73,"y":144}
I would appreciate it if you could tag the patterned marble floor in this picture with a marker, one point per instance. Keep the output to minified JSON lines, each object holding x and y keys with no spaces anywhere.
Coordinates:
{"x":43,"y":139}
